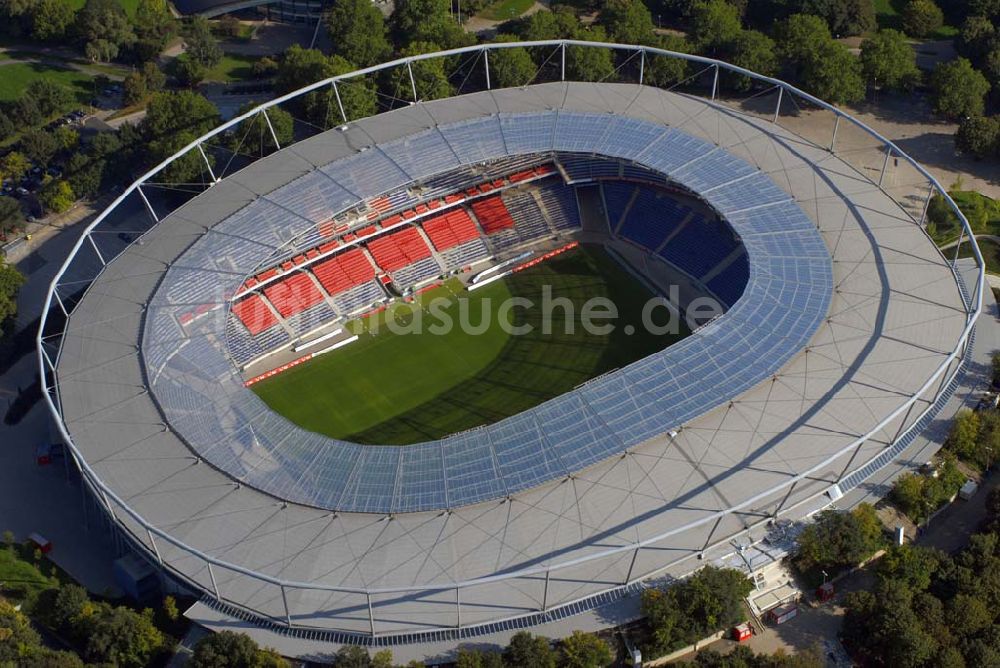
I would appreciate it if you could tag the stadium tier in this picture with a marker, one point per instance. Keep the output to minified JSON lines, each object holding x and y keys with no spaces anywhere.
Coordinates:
{"x":344,"y":271}
{"x":293,"y":294}
{"x":450,"y":229}
{"x":775,"y":409}
{"x":492,"y":215}
{"x":397,"y":249}
{"x":254,"y":314}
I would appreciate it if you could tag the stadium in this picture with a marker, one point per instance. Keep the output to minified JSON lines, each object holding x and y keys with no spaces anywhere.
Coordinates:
{"x":229,"y":396}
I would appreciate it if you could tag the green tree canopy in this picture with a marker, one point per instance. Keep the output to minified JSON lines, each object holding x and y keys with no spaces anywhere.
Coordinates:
{"x":844,"y":17}
{"x":626,"y":21}
{"x":120,"y":636}
{"x":226,"y":649}
{"x":512,"y":66}
{"x":585,"y":63}
{"x":154,"y":26}
{"x":714,"y":24}
{"x":584,"y":650}
{"x":253,"y":135}
{"x":201,"y":43}
{"x":888,"y":60}
{"x":429,"y":76}
{"x":104,"y":29}
{"x":838,"y":539}
{"x":817,"y":63}
{"x":39,"y":146}
{"x":358,"y":32}
{"x":754,"y":51}
{"x":51,"y":19}
{"x":958,"y":90}
{"x":173,"y":120}
{"x":528,"y":651}
{"x":665,"y":71}
{"x":427,"y":22}
{"x":921,"y":18}
{"x":57,"y":196}
{"x":49,"y":97}
{"x":11,"y":220}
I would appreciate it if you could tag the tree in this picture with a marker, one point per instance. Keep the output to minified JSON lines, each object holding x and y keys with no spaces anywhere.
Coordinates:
{"x":429,"y":75}
{"x":512,"y":66}
{"x":358,"y":94}
{"x":11,"y":219}
{"x":964,"y":433}
{"x":49,"y":97}
{"x":122,"y":636}
{"x":428,"y":22}
{"x":17,"y":638}
{"x":57,"y":196}
{"x":225,"y":649}
{"x":50,"y":20}
{"x":713,"y":25}
{"x":173,"y":120}
{"x":300,"y":67}
{"x":799,"y":36}
{"x":358,"y":32}
{"x":66,"y":138}
{"x":254,"y":132}
{"x":888,"y":61}
{"x":838,"y":539}
{"x":754,"y":51}
{"x":528,"y":651}
{"x":13,"y":166}
{"x":976,"y":37}
{"x":472,"y":658}
{"x":154,"y":77}
{"x":202,"y":46}
{"x":189,"y":71}
{"x":921,"y":18}
{"x":6,"y":125}
{"x":627,"y":21}
{"x":957,"y":89}
{"x":584,"y":650}
{"x":154,"y":26}
{"x":968,"y":615}
{"x":844,"y":17}
{"x":834,"y":74}
{"x":910,"y":563}
{"x":585,"y":63}
{"x":104,"y":29}
{"x":353,"y":656}
{"x":39,"y":146}
{"x":665,"y":71}
{"x":134,"y":88}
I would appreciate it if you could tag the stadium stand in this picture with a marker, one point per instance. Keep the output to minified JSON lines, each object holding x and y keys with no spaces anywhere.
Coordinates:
{"x":617,"y":196}
{"x":311,"y":318}
{"x":254,"y":314}
{"x":492,"y":214}
{"x":395,"y":250}
{"x":359,"y":297}
{"x":559,"y":203}
{"x":465,"y":254}
{"x":450,"y":229}
{"x":588,"y":169}
{"x":293,"y":295}
{"x":529,"y":221}
{"x":344,"y":271}
{"x":651,"y":219}
{"x":698,"y":246}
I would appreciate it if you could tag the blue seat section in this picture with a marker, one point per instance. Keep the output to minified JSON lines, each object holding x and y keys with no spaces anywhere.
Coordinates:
{"x":617,"y":195}
{"x":728,"y":284}
{"x":699,"y":246}
{"x":653,"y":216}
{"x":560,"y":204}
{"x":358,"y":298}
{"x":583,"y":168}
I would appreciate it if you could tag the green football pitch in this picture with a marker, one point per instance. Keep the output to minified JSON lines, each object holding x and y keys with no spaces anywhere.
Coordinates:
{"x":419,"y":382}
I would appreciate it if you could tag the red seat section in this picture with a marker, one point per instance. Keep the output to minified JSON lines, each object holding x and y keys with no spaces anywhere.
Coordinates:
{"x":293,"y":294}
{"x":398,"y":249}
{"x":344,"y":270}
{"x":450,"y":229}
{"x":254,"y":314}
{"x":492,"y":214}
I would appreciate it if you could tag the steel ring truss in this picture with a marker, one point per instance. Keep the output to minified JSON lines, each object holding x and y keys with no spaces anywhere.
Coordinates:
{"x":905,"y":419}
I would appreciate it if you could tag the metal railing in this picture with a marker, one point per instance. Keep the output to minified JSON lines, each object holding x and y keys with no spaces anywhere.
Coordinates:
{"x":542,"y":572}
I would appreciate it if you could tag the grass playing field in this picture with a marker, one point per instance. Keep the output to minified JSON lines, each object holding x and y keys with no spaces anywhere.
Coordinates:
{"x":402,"y":388}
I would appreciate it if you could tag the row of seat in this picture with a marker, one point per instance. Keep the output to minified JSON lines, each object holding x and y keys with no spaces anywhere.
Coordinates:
{"x":492,"y":214}
{"x":398,"y":249}
{"x":450,"y":229}
{"x":344,"y":271}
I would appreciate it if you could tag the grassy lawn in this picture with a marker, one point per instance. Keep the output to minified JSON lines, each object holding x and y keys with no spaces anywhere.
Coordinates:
{"x":991,"y":253}
{"x":14,"y":78}
{"x":22,"y":579}
{"x":232,"y":67}
{"x":504,"y":10}
{"x":129,"y":5}
{"x":402,"y":388}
